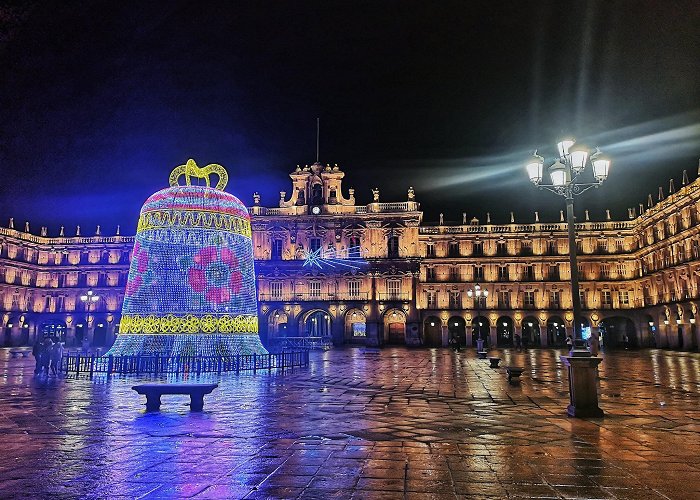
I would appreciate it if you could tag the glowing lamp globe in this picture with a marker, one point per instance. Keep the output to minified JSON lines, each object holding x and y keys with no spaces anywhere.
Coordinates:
{"x":191,"y":285}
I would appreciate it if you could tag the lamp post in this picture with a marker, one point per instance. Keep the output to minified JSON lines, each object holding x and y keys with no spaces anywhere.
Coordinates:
{"x":89,"y":299}
{"x":477,"y":292}
{"x":566,"y":176}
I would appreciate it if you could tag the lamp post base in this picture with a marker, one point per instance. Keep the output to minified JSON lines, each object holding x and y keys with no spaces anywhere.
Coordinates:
{"x":583,"y":385}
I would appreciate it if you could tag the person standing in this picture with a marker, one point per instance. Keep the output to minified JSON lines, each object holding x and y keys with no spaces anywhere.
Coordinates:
{"x":56,"y":357}
{"x":37,"y":352}
{"x":45,"y":356}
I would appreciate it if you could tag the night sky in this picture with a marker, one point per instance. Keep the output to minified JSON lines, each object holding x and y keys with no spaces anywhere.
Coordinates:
{"x":100,"y":100}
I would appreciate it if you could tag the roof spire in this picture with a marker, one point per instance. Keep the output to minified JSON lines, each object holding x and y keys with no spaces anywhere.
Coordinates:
{"x":685,"y":177}
{"x":671,"y":187}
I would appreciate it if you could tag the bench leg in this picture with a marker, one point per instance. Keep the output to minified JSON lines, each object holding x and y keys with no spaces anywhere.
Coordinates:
{"x":152,"y":402}
{"x":197,"y":402}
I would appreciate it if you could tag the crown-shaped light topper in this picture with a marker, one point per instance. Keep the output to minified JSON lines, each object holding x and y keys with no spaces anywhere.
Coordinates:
{"x":190,"y":169}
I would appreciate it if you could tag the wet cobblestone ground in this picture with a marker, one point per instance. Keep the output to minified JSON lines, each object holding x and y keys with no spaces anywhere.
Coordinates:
{"x":395,"y":424}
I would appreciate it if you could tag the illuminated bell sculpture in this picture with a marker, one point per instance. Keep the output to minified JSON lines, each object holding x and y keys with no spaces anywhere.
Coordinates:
{"x":191,"y":286}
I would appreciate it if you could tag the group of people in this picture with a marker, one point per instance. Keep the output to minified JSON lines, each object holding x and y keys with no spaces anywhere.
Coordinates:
{"x":47,"y":354}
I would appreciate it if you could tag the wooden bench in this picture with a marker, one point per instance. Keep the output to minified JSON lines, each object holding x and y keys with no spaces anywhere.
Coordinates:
{"x":153,"y":392}
{"x":514,"y":372}
{"x":494,"y":362}
{"x":482,"y":354}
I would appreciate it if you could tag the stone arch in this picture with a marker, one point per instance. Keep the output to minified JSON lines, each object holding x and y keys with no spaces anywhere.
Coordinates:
{"x":531,"y":331}
{"x":432,"y":331}
{"x":556,"y":331}
{"x":395,"y":326}
{"x":277,"y":324}
{"x":355,"y":326}
{"x":480,"y":329}
{"x":457,"y":328}
{"x":614,"y":329}
{"x":315,"y":323}
{"x":504,"y":331}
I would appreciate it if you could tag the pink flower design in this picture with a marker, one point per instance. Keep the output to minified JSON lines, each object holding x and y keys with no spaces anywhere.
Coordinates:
{"x":215,"y":274}
{"x":140,"y":258}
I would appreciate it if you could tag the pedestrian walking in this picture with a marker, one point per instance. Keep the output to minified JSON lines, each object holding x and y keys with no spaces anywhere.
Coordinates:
{"x":56,"y":356}
{"x":45,"y":356}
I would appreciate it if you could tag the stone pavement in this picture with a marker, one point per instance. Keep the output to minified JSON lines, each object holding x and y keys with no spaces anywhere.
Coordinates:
{"x":397,"y":424}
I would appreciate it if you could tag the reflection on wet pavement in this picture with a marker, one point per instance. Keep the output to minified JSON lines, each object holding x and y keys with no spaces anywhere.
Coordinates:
{"x":398,"y":424}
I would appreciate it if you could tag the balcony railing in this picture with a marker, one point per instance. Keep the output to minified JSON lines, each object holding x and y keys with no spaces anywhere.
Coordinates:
{"x":308,"y":297}
{"x":394,"y":296}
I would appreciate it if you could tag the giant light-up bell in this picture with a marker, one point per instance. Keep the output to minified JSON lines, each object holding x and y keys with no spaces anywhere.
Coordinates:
{"x":191,"y":286}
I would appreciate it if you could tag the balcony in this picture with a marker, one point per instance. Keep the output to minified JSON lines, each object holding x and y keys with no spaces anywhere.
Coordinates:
{"x":310,"y":297}
{"x":395,"y":296}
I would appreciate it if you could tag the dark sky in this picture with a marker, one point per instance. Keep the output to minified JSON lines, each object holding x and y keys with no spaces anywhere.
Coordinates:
{"x":100,"y":100}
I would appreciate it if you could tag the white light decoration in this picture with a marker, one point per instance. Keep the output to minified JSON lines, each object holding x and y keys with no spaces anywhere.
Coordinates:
{"x":578,"y":156}
{"x":534,"y":169}
{"x":564,"y":145}
{"x":557,"y":172}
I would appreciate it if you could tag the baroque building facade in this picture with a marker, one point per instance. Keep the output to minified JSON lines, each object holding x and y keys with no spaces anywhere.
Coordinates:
{"x":374,"y":274}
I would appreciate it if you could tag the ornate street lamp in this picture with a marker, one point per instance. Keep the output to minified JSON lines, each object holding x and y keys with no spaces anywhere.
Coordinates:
{"x":89,"y":299}
{"x":566,"y":176}
{"x":478,"y":293}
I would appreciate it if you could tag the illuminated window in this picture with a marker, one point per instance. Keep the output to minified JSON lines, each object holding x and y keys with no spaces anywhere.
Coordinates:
{"x":394,"y":288}
{"x":554,"y":300}
{"x":606,"y":298}
{"x":432,"y":299}
{"x":315,"y":288}
{"x":455,"y":299}
{"x":624,"y":297}
{"x":276,"y":289}
{"x":529,"y":299}
{"x":504,"y":300}
{"x":621,"y":271}
{"x":605,"y":271}
{"x":354,"y":288}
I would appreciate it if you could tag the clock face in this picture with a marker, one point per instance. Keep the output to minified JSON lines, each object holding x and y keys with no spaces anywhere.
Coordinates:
{"x":316,"y":210}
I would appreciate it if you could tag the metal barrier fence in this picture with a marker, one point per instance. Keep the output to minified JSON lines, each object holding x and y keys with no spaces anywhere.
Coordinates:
{"x":193,"y":365}
{"x":302,"y":343}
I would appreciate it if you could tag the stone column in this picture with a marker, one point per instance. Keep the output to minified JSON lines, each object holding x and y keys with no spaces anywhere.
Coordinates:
{"x":493,"y":336}
{"x":583,"y":384}
{"x":469,"y":334}
{"x":445,"y":335}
